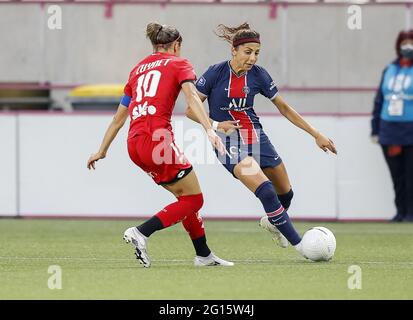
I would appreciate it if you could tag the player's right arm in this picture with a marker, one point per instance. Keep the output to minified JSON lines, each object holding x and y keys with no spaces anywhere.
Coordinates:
{"x":191,"y":115}
{"x":195,"y":104}
{"x":117,"y":123}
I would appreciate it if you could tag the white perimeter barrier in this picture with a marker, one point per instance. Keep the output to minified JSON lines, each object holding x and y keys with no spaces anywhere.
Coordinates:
{"x":43,"y":170}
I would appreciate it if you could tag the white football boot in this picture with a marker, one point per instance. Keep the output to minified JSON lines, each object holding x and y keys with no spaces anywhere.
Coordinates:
{"x":277,"y":236}
{"x":211,"y":260}
{"x":138,"y":240}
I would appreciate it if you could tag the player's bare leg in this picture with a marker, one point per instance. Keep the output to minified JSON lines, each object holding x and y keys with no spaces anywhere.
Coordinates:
{"x":250,"y":174}
{"x":187,"y":186}
{"x":277,"y":220}
{"x":279,"y":179}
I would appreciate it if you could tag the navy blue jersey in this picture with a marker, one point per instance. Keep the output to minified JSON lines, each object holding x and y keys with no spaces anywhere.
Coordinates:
{"x":231,"y":97}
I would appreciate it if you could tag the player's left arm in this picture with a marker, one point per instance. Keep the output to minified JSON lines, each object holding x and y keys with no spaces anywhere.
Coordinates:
{"x":117,"y":123}
{"x":293,"y":116}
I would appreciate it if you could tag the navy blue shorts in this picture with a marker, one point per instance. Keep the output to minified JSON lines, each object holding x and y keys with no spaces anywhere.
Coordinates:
{"x":263,"y":152}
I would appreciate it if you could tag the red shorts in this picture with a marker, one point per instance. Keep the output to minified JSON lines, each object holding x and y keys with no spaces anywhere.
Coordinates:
{"x":159,"y":157}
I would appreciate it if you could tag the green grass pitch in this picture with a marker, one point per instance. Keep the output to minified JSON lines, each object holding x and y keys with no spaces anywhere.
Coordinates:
{"x":97,"y":264}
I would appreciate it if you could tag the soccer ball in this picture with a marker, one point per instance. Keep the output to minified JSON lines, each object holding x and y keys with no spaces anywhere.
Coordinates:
{"x":318,"y":244}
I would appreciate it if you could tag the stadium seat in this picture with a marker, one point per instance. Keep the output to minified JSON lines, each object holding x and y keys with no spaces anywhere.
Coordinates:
{"x":96,"y":97}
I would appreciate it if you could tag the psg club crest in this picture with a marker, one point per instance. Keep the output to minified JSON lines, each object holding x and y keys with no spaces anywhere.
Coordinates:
{"x":246,"y":90}
{"x":201,"y":82}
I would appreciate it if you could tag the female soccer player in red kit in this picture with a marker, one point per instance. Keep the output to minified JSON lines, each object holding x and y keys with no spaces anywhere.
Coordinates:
{"x":150,"y":95}
{"x":230,"y":88}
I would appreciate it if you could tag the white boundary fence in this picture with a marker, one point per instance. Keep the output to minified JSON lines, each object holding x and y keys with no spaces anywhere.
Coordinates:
{"x":43,"y":171}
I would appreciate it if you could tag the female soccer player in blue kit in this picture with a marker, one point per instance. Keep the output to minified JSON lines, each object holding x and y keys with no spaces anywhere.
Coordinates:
{"x":230,"y":87}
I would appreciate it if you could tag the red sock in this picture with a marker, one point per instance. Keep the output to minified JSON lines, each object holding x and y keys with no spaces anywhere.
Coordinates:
{"x":178,"y":211}
{"x":194,"y":225}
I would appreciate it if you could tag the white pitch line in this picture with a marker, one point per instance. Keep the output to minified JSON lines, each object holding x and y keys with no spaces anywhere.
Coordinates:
{"x":120,"y":259}
{"x":355,"y":232}
{"x":61,"y":258}
{"x":378,"y":232}
{"x":245,"y":261}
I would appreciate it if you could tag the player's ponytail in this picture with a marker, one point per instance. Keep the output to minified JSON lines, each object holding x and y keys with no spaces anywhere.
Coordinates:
{"x":236,"y":35}
{"x":162,"y":35}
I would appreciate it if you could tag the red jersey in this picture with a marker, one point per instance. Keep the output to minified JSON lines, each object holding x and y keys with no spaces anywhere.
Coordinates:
{"x":154,"y":85}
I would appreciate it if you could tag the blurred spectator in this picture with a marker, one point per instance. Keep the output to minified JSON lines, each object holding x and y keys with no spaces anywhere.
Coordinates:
{"x":392,"y":123}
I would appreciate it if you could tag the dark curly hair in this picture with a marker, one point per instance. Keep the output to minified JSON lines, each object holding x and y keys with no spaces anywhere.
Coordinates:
{"x":234,"y":34}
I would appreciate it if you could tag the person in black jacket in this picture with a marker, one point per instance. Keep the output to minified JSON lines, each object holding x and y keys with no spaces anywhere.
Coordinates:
{"x":392,"y":123}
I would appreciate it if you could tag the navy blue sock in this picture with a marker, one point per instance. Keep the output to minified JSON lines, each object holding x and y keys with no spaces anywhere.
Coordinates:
{"x":276,"y":213}
{"x":286,"y":198}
